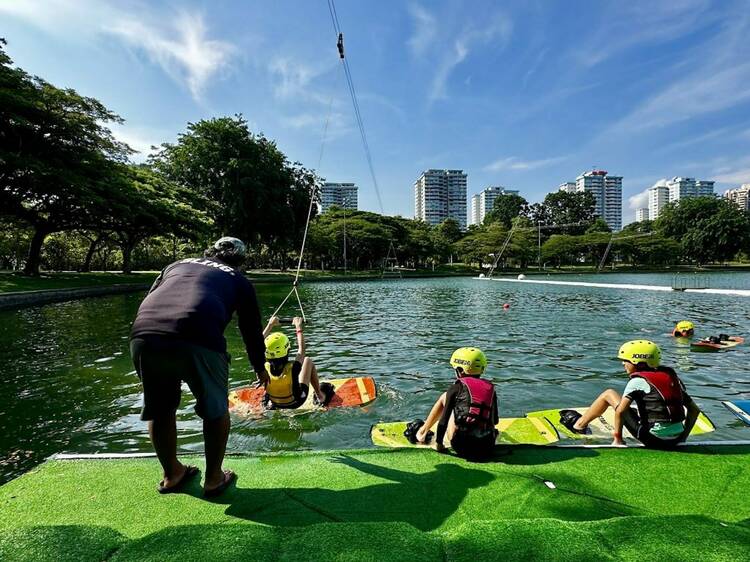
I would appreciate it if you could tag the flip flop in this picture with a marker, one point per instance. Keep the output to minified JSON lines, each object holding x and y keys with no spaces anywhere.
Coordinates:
{"x":229,"y":478}
{"x":190,"y":473}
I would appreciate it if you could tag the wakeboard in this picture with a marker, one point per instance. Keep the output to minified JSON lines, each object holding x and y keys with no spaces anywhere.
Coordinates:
{"x":602,"y":427}
{"x":705,"y":345}
{"x":515,"y":431}
{"x":740,"y":408}
{"x":348,"y":393}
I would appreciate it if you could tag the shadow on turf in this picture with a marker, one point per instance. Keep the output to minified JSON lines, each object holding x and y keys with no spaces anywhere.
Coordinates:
{"x":425,"y":500}
{"x":534,"y":455}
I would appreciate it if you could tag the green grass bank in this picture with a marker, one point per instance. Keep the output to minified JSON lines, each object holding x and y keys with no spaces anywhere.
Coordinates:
{"x":606,"y":504}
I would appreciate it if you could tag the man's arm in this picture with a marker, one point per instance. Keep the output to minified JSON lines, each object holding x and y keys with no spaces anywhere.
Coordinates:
{"x":248,"y":319}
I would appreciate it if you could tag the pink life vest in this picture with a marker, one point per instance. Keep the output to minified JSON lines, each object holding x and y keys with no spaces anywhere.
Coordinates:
{"x":474,"y":405}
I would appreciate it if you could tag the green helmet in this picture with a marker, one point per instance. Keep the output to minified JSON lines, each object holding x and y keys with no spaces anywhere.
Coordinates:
{"x":683,"y":328}
{"x":277,"y":346}
{"x":640,"y":351}
{"x":471,"y":360}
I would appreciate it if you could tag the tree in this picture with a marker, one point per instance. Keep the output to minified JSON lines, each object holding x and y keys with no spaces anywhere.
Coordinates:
{"x":256,"y":193}
{"x":148,"y":205}
{"x":560,"y":248}
{"x":506,"y":208}
{"x":708,"y":228}
{"x":562,"y":208}
{"x":56,"y":156}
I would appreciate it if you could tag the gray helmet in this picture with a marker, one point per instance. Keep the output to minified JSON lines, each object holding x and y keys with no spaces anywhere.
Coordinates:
{"x":229,"y":249}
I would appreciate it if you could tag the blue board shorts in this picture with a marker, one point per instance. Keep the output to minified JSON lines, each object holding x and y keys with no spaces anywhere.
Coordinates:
{"x":163,"y":363}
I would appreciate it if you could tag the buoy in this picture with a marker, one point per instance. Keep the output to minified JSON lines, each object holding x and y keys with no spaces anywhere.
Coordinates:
{"x":506,"y":306}
{"x":521,"y":277}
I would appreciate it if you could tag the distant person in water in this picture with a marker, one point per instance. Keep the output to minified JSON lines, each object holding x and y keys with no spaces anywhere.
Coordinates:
{"x":178,"y":335}
{"x":660,"y":421}
{"x":466,"y":414}
{"x":289,"y":381}
{"x":684,"y":329}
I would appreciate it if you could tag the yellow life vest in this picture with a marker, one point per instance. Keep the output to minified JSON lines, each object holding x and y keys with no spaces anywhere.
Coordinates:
{"x":280,"y":388}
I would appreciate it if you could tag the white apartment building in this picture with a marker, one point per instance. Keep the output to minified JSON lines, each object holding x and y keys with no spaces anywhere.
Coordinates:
{"x":680,"y":188}
{"x":568,"y":187}
{"x":439,"y":195}
{"x":607,"y":191}
{"x":340,"y":194}
{"x":740,"y":196}
{"x":658,"y":196}
{"x":641,"y":214}
{"x":484,"y":201}
{"x":676,"y":189}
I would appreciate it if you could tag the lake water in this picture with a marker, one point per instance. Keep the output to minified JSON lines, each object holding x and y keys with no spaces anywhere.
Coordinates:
{"x":67,"y":382}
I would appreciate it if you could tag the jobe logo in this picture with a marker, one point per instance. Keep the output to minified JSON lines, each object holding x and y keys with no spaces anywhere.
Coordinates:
{"x":642,"y":356}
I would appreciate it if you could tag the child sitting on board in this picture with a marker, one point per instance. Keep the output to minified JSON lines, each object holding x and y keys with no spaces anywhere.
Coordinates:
{"x":659,"y":394}
{"x":467,"y":411}
{"x":289,"y":381}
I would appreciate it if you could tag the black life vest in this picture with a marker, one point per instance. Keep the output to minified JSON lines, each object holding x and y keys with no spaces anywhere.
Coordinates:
{"x":665,"y":402}
{"x":473,"y":409}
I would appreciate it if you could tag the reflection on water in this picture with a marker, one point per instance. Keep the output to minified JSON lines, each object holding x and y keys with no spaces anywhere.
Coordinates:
{"x":68,"y":384}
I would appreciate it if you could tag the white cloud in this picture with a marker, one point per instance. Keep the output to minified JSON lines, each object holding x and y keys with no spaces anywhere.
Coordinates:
{"x":737,"y":172}
{"x":141,"y":139}
{"x":499,"y":29}
{"x":631,"y":24}
{"x":338,"y":124}
{"x":178,"y":42}
{"x":425,"y":30}
{"x":182,"y":48}
{"x":513,"y":163}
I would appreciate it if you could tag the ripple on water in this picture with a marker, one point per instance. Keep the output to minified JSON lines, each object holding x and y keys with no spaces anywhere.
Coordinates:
{"x":68,"y":369}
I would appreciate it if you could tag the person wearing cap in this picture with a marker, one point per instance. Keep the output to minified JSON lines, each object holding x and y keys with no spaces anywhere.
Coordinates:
{"x":659,"y":420}
{"x":684,"y":329}
{"x":178,"y":336}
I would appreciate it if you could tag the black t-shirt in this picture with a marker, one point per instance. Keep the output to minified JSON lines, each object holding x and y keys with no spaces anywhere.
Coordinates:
{"x":450,"y":404}
{"x":194,"y":300}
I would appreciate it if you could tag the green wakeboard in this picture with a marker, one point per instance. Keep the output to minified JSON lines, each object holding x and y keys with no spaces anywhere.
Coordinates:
{"x":515,"y":431}
{"x":603,"y":426}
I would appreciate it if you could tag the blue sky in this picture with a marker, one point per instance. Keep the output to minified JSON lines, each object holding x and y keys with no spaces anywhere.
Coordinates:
{"x":520,"y":94}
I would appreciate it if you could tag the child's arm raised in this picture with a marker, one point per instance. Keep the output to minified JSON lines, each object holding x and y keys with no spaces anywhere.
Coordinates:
{"x":297,"y":321}
{"x":273,"y":321}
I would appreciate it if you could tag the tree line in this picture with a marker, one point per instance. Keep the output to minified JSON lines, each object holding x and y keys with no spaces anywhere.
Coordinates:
{"x":72,"y":199}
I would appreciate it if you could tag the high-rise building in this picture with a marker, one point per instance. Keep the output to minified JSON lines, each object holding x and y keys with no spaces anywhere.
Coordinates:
{"x":484,"y":201}
{"x":339,"y":194}
{"x":680,"y":188}
{"x":674,"y":190}
{"x":439,"y":195}
{"x":607,"y":191}
{"x":658,"y":196}
{"x":641,"y":214}
{"x":740,"y":196}
{"x":568,"y":187}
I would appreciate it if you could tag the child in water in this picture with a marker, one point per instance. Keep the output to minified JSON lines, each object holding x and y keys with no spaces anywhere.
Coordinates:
{"x":659,"y":394}
{"x":289,"y":381}
{"x":684,"y":329}
{"x":467,"y":411}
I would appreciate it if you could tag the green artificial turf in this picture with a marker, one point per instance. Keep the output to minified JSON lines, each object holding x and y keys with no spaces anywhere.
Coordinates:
{"x":608,"y":504}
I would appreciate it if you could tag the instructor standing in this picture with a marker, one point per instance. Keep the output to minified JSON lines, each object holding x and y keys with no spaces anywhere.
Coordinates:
{"x":178,"y":335}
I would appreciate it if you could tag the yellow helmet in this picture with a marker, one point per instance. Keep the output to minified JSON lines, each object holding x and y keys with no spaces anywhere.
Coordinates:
{"x":683,"y":328}
{"x":277,"y":346}
{"x":640,"y":351}
{"x":470,"y":359}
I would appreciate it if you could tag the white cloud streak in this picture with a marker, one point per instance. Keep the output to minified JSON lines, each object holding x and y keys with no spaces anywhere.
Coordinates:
{"x":177,"y":42}
{"x":515,"y":164}
{"x":499,"y":29}
{"x":425,"y":30}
